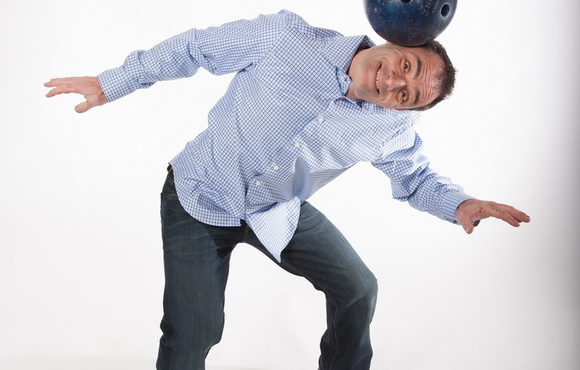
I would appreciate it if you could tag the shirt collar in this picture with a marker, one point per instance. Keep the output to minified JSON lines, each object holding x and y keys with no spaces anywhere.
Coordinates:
{"x":340,"y":51}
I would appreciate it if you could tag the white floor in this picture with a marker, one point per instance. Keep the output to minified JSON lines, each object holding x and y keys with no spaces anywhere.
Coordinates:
{"x":26,"y":363}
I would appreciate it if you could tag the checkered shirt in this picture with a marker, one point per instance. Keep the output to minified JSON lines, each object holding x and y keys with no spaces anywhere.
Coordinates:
{"x":284,"y":128}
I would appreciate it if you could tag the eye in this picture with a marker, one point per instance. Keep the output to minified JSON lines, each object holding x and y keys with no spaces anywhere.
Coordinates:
{"x":406,"y":66}
{"x":404,"y":96}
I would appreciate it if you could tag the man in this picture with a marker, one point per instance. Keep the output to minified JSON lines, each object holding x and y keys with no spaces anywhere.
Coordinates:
{"x":305,"y":105}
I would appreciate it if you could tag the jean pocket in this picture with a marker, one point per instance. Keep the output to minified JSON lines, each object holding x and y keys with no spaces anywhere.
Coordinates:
{"x":169,"y":191}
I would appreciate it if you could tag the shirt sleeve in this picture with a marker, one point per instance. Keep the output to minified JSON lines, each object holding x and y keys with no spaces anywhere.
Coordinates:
{"x":413,"y":180}
{"x":220,"y":50}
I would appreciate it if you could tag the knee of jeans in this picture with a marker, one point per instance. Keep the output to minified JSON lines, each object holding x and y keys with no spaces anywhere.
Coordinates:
{"x":363,"y":290}
{"x":371,"y":288}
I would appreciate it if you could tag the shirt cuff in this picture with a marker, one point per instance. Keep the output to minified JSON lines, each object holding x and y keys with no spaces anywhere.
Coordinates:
{"x":450,"y":202}
{"x":116,"y":83}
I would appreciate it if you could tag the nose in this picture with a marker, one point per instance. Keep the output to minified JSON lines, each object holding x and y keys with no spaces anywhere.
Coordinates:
{"x":394,"y":82}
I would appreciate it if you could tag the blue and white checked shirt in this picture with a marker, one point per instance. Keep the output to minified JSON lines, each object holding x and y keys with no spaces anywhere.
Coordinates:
{"x":284,"y":128}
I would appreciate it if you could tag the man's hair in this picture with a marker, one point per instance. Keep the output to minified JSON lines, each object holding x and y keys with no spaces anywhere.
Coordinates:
{"x":446,"y":76}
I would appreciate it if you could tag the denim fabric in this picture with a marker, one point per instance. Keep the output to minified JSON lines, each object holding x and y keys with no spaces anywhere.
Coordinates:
{"x":196,"y":258}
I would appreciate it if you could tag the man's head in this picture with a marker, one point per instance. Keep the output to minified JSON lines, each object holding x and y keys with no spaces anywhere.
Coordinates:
{"x":398,"y":77}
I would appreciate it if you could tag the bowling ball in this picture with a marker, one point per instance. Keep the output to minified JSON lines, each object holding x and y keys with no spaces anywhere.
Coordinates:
{"x":409,"y":22}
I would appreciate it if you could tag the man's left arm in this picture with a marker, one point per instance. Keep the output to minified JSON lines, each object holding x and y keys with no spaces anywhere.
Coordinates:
{"x":413,"y":180}
{"x":470,"y":212}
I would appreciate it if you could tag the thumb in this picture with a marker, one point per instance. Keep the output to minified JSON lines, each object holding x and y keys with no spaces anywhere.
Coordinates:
{"x":469,"y":226}
{"x":82,"y":107}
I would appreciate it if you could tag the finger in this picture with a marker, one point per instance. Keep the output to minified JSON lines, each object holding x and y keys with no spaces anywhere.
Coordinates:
{"x":51,"y":82}
{"x":59,"y":81}
{"x":502,"y":214}
{"x":519,"y":215}
{"x":63,"y":86}
{"x":62,"y":89}
{"x":513,"y":213}
{"x":51,"y":93}
{"x":56,"y":82}
{"x":55,"y":91}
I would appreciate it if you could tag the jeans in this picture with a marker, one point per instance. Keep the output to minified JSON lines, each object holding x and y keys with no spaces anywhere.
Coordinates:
{"x":196,"y":261}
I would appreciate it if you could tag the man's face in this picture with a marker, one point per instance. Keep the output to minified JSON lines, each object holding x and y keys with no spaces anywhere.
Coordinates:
{"x":395,"y":77}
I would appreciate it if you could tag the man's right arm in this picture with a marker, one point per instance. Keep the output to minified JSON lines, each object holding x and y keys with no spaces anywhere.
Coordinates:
{"x":225,"y":49}
{"x":89,"y":87}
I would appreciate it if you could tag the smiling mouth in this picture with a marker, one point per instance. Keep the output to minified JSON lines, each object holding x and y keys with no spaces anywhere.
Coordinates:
{"x":377,"y":80}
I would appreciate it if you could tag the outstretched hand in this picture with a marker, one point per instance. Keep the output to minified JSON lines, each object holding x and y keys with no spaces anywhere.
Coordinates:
{"x":89,"y":87}
{"x":471,"y":211}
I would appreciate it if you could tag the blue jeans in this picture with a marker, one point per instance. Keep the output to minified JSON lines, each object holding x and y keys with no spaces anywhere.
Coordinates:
{"x":196,"y":259}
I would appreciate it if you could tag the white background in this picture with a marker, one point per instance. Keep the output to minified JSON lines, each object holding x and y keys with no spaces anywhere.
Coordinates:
{"x":80,"y":251}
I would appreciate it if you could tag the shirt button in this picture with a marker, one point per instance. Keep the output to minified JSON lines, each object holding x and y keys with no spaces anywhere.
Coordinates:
{"x":297,"y":145}
{"x":276,"y":168}
{"x":258,"y":183}
{"x":320,"y":119}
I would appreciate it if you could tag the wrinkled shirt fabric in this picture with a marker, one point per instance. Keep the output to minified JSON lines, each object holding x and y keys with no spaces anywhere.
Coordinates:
{"x":284,"y":127}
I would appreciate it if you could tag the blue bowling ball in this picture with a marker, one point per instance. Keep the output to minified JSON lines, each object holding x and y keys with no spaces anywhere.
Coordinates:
{"x":409,"y":22}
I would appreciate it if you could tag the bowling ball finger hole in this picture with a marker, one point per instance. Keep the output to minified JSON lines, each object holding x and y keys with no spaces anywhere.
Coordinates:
{"x":406,"y":1}
{"x":445,"y":10}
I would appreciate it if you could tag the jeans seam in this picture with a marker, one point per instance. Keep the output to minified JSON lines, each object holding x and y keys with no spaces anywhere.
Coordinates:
{"x":334,"y":326}
{"x":334,"y":331}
